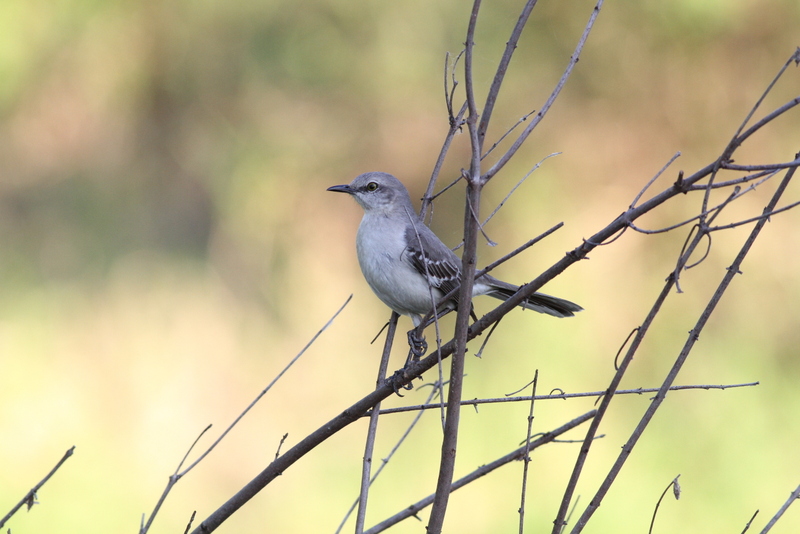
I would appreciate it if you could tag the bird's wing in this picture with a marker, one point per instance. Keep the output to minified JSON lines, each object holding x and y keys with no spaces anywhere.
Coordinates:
{"x":432,"y":259}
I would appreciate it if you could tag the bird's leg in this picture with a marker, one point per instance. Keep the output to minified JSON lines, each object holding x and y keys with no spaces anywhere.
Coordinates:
{"x":418,"y":345}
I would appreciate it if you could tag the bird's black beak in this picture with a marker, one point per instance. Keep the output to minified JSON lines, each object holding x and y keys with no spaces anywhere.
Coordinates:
{"x":341,"y":189}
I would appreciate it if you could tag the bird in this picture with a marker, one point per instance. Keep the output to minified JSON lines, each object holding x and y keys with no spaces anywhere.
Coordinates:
{"x":408,"y":267}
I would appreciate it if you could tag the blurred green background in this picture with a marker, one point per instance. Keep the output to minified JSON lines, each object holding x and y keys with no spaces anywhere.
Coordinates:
{"x":167,"y":245}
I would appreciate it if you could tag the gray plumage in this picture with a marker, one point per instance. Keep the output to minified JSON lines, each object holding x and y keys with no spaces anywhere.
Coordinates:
{"x":404,"y":262}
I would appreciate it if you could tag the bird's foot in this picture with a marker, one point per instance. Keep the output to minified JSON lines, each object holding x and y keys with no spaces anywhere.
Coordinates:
{"x":417,"y":344}
{"x":395,"y":380}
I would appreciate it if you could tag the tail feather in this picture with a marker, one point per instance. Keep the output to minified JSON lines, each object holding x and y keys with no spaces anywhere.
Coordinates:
{"x":539,"y":302}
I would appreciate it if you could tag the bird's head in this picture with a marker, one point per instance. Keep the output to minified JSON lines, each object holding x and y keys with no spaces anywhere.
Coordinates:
{"x":377,"y":192}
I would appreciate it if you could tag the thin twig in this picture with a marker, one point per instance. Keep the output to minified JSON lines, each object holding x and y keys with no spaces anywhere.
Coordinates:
{"x":448,"y":140}
{"x":762,"y":167}
{"x":694,"y":334}
{"x":280,"y":444}
{"x":474,"y":214}
{"x":764,"y":121}
{"x":372,"y":430}
{"x":753,"y":219}
{"x":173,"y":479}
{"x":747,"y":526}
{"x":676,"y":491}
{"x":560,"y":521}
{"x":734,"y":181}
{"x":654,"y":178}
{"x":739,"y":137}
{"x":269,"y":386}
{"x":526,"y":460}
{"x":735,"y":195}
{"x":522,"y":119}
{"x":792,"y":59}
{"x":519,"y":249}
{"x":573,"y":60}
{"x":563,"y":396}
{"x":548,"y":437}
{"x":793,"y":497}
{"x":479,"y":354}
{"x":502,"y":68}
{"x":30,"y":498}
{"x":189,"y":524}
{"x":694,"y":238}
{"x":502,"y":202}
{"x":435,"y":390}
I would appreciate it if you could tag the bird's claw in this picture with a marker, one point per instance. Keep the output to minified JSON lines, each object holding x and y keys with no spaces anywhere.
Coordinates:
{"x":396,"y":379}
{"x":417,"y":344}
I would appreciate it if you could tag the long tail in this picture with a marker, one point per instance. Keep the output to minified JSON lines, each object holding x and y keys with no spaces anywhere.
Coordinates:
{"x":537,"y":302}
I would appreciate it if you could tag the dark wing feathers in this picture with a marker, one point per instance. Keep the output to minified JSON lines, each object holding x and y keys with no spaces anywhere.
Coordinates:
{"x":432,"y":259}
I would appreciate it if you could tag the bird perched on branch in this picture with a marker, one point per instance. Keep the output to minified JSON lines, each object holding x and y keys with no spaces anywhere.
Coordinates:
{"x":408,"y":267}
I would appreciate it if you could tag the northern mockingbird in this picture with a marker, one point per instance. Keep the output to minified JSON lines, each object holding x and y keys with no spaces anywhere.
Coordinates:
{"x":407,"y":266}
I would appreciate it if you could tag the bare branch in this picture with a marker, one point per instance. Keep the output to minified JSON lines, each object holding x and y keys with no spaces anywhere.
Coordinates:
{"x":693,"y":336}
{"x":737,"y":192}
{"x":403,"y":377}
{"x":560,"y":520}
{"x":654,"y":178}
{"x":763,"y":122}
{"x":502,"y":68}
{"x":562,"y":396}
{"x":793,"y":497}
{"x":762,"y":167}
{"x":754,"y":219}
{"x":735,"y":181}
{"x":548,"y":437}
{"x":508,"y":132}
{"x":372,"y":430}
{"x":502,"y":203}
{"x":30,"y":498}
{"x":573,"y":60}
{"x":676,"y":491}
{"x":436,"y":389}
{"x":428,"y":197}
{"x":792,"y":59}
{"x":747,"y":526}
{"x":189,"y":524}
{"x":266,"y":389}
{"x":525,"y":457}
{"x":468,"y":261}
{"x":173,"y":479}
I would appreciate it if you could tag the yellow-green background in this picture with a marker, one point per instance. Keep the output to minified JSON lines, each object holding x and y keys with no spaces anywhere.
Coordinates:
{"x":167,"y":245}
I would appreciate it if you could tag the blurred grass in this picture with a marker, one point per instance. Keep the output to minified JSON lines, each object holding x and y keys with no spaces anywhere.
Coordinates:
{"x":163,"y":216}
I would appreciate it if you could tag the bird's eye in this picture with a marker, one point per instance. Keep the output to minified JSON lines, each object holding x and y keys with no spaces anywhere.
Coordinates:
{"x":372,"y":186}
